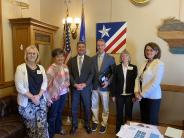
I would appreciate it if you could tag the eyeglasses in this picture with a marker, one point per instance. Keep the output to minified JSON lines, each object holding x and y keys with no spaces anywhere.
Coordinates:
{"x":31,"y":53}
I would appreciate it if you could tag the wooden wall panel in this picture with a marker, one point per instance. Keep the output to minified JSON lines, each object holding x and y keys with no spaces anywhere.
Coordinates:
{"x":1,"y":48}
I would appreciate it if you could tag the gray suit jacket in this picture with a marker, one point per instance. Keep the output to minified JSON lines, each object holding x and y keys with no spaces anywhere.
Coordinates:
{"x":106,"y":68}
{"x":86,"y":72}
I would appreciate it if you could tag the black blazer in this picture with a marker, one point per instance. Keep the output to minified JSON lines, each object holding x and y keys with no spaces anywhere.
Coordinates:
{"x":118,"y":80}
{"x":86,"y":71}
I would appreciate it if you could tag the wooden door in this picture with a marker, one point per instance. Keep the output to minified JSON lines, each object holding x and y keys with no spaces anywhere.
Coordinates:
{"x":21,"y":39}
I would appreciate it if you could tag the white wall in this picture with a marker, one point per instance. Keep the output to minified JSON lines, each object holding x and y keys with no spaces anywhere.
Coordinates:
{"x":11,"y":10}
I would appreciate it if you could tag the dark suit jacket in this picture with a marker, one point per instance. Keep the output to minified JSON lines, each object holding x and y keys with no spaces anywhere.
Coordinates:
{"x":86,"y":72}
{"x":106,"y":67}
{"x":118,"y":80}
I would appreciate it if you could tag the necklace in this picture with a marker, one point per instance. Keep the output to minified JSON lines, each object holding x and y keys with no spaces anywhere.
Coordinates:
{"x":32,"y":66}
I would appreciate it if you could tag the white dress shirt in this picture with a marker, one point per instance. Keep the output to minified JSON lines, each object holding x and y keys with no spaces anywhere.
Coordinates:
{"x":125,"y":68}
{"x":78,"y":62}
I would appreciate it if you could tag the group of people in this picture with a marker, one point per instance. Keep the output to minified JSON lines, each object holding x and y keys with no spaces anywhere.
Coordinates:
{"x":42,"y":95}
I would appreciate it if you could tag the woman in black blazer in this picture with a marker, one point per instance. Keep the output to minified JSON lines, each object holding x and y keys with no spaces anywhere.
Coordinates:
{"x":124,"y":76}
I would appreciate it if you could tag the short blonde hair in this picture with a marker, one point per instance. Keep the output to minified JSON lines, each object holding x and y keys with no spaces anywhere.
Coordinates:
{"x":35,"y":49}
{"x":128,"y":55}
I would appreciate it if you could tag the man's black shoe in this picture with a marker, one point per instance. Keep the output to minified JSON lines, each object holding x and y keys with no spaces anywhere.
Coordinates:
{"x":88,"y":130}
{"x":73,"y":130}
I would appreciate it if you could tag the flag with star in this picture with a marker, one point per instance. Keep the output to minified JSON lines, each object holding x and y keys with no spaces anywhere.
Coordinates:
{"x":114,"y":34}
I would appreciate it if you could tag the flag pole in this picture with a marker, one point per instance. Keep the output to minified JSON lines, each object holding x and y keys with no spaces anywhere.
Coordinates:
{"x":65,"y":44}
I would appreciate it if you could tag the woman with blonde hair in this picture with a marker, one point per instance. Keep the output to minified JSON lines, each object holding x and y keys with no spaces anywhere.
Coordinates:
{"x":31,"y":83}
{"x":123,"y":89}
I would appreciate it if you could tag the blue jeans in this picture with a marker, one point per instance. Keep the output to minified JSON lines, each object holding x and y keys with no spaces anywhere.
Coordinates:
{"x":54,"y":115}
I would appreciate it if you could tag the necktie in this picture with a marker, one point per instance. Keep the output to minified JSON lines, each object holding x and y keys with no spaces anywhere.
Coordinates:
{"x":80,"y":64}
{"x":99,"y":62}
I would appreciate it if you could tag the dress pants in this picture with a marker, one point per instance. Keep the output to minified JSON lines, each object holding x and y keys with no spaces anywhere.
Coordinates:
{"x":150,"y":110}
{"x":104,"y":96}
{"x":123,"y":103}
{"x":54,"y":115}
{"x":86,"y":101}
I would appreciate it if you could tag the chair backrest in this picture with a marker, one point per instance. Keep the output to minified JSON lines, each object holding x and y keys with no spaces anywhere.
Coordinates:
{"x":8,"y":106}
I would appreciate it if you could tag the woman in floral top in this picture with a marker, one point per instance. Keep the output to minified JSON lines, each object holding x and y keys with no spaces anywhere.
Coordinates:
{"x":58,"y":83}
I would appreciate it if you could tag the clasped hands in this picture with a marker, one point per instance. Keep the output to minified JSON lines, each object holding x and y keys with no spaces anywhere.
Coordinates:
{"x":138,"y":96}
{"x":36,"y":99}
{"x":105,"y":84}
{"x":80,"y":86}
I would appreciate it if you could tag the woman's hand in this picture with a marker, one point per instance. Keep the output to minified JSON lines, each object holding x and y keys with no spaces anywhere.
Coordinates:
{"x":138,"y":96}
{"x":67,"y":84}
{"x":134,"y":99}
{"x":55,"y":96}
{"x":35,"y":99}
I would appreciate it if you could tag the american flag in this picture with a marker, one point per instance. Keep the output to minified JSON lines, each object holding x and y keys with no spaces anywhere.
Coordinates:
{"x":114,"y":34}
{"x":67,"y":47}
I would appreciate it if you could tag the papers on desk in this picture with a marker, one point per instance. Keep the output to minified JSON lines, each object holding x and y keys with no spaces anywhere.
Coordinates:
{"x":173,"y":133}
{"x":139,"y":130}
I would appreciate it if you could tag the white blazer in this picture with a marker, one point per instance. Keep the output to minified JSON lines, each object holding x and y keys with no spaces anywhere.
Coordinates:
{"x":22,"y":85}
{"x":152,"y":78}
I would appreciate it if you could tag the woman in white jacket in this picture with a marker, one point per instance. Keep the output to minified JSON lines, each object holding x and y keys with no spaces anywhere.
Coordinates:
{"x":31,"y":83}
{"x":147,"y":89}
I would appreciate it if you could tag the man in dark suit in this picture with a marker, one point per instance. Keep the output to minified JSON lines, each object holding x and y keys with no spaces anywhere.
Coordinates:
{"x":123,"y":83}
{"x":81,"y":75}
{"x":103,"y":64}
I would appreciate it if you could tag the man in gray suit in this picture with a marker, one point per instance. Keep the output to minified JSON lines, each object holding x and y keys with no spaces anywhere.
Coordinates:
{"x":81,"y":75}
{"x":103,"y":64}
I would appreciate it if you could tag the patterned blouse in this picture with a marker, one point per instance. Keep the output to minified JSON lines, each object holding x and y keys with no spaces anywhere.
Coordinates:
{"x":58,"y":81}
